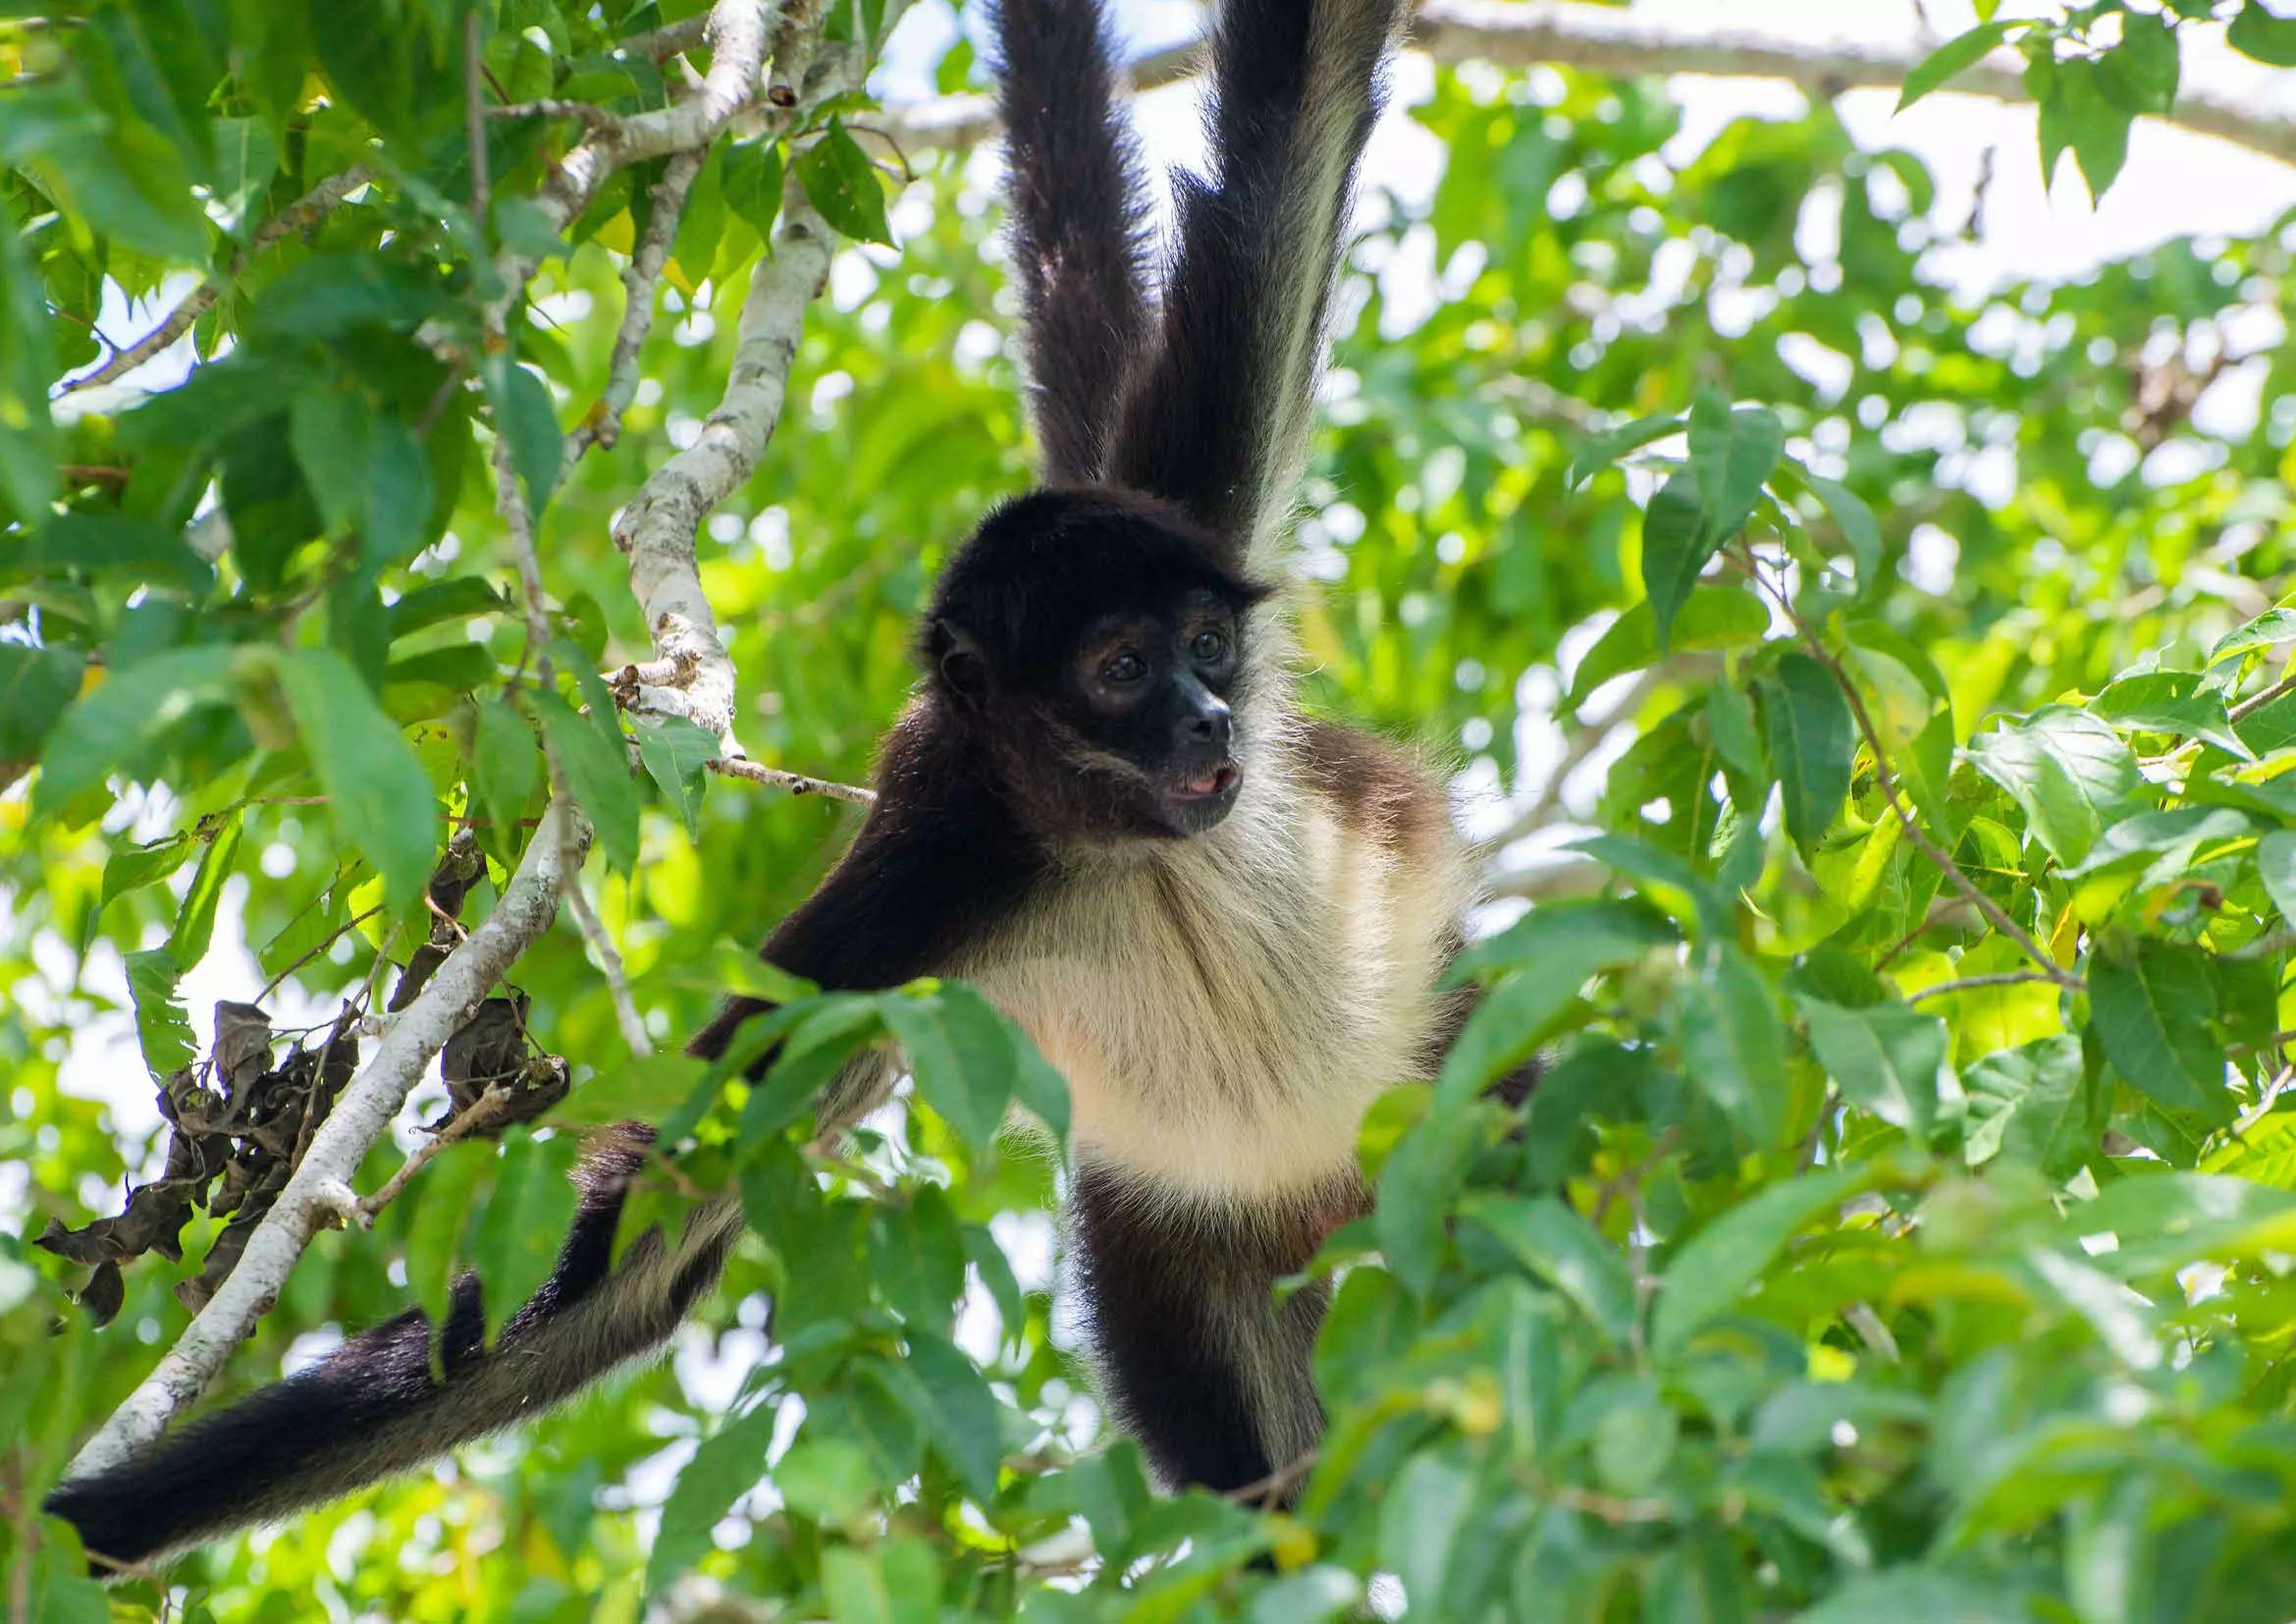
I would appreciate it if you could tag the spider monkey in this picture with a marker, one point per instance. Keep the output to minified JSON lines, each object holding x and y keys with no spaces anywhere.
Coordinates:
{"x":1226,"y":922}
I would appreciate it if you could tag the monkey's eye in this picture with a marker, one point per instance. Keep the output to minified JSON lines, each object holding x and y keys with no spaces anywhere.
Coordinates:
{"x":1209,"y":645}
{"x":1125,"y":668}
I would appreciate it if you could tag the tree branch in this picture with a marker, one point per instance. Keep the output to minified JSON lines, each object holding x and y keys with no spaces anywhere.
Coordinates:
{"x":735,"y":34}
{"x":656,"y":529}
{"x":797,"y":784}
{"x":1524,"y":34}
{"x":320,"y":1187}
{"x":319,"y":200}
{"x":640,"y":279}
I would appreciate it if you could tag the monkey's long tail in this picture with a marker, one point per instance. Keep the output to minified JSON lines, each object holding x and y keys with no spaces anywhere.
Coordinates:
{"x":371,"y":1409}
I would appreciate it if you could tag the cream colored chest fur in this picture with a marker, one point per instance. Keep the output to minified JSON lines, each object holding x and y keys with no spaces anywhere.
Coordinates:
{"x":1226,"y":1008}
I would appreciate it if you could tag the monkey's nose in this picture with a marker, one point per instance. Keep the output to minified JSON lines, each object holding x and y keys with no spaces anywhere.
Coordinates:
{"x":1206,"y":726}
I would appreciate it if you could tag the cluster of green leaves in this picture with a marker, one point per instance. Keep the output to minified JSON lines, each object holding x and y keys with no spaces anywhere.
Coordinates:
{"x":1852,"y":1259}
{"x":2093,"y":70}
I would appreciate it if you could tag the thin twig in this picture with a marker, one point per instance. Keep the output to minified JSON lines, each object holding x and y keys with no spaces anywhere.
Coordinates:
{"x":334,"y":936}
{"x":1887,"y":779}
{"x":474,"y":120}
{"x":1999,"y":978}
{"x":197,"y":304}
{"x":556,"y":107}
{"x":641,"y":278}
{"x":1267,"y":1492}
{"x":795,"y":783}
{"x":2249,"y":707}
{"x":617,"y":985}
{"x":480,"y":1114}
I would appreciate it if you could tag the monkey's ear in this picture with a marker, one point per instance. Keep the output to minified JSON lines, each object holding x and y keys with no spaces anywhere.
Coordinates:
{"x":957,"y":663}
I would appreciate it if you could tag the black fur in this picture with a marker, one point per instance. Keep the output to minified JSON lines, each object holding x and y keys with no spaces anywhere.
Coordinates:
{"x":1214,"y":420}
{"x":1194,"y":1352}
{"x":1079,"y":227}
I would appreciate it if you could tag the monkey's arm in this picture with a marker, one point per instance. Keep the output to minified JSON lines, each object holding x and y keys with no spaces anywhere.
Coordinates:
{"x":1079,"y":226}
{"x":938,"y":861}
{"x":1219,"y":421}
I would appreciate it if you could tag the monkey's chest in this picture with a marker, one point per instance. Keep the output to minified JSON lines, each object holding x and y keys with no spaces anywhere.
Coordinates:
{"x":1222,"y":1033}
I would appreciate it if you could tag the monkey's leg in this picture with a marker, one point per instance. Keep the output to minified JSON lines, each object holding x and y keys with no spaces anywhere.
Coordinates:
{"x":1195,"y":1359}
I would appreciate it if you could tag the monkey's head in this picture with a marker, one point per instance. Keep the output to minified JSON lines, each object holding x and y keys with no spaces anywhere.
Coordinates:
{"x":1092,"y":640}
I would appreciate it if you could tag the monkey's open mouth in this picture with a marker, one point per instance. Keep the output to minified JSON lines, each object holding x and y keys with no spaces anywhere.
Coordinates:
{"x":1208,"y":786}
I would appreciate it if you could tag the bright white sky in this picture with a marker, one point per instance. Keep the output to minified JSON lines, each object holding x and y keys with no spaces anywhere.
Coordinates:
{"x":2175,"y":184}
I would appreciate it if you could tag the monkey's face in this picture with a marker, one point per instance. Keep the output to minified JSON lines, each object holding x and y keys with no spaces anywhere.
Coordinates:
{"x":1152,"y":691}
{"x":1088,"y":642}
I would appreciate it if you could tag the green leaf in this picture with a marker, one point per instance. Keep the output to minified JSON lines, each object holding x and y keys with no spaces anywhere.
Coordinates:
{"x":524,"y":416}
{"x":1884,"y":1055}
{"x":2151,"y":1011}
{"x":960,"y":1054}
{"x":118,"y":545}
{"x":2263,"y":37}
{"x":1421,"y":1517}
{"x":1858,"y":525}
{"x":451,"y":1186}
{"x":1812,"y":739}
{"x":2033,"y":1107}
{"x":456,"y":598}
{"x":114,"y":728}
{"x":1568,"y":942}
{"x":842,"y":183}
{"x":378,"y":795}
{"x":1707,"y":1277}
{"x":1313,"y":1595}
{"x":35,"y":684}
{"x":1559,"y":1247}
{"x":1710,"y":618}
{"x":1676,"y":542}
{"x":396,"y":507}
{"x":131,"y":868}
{"x":2275,"y":866}
{"x":2140,"y":73}
{"x":1952,"y":59}
{"x":1416,"y":1188}
{"x":1918,"y":1594}
{"x":1734,"y":1045}
{"x":525,"y":1221}
{"x":995,"y":1268}
{"x":644,"y":1088}
{"x":675,"y":752}
{"x":828,"y":1479}
{"x":161,"y":1026}
{"x":28,"y":441}
{"x":917,"y":1256}
{"x":1635,"y":1440}
{"x":2169,"y":702}
{"x":599,"y":776}
{"x":2068,"y":769}
{"x":195,"y":920}
{"x":1038,"y":1086}
{"x":955,"y":1408}
{"x":751,"y":180}
{"x":507,"y":764}
{"x":728,"y":1464}
{"x":1733,"y":453}
{"x":2182,"y":830}
{"x":1600,"y":451}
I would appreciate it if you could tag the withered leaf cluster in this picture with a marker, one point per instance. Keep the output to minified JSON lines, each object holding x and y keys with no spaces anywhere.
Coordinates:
{"x":239,"y":1126}
{"x":232,"y":1142}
